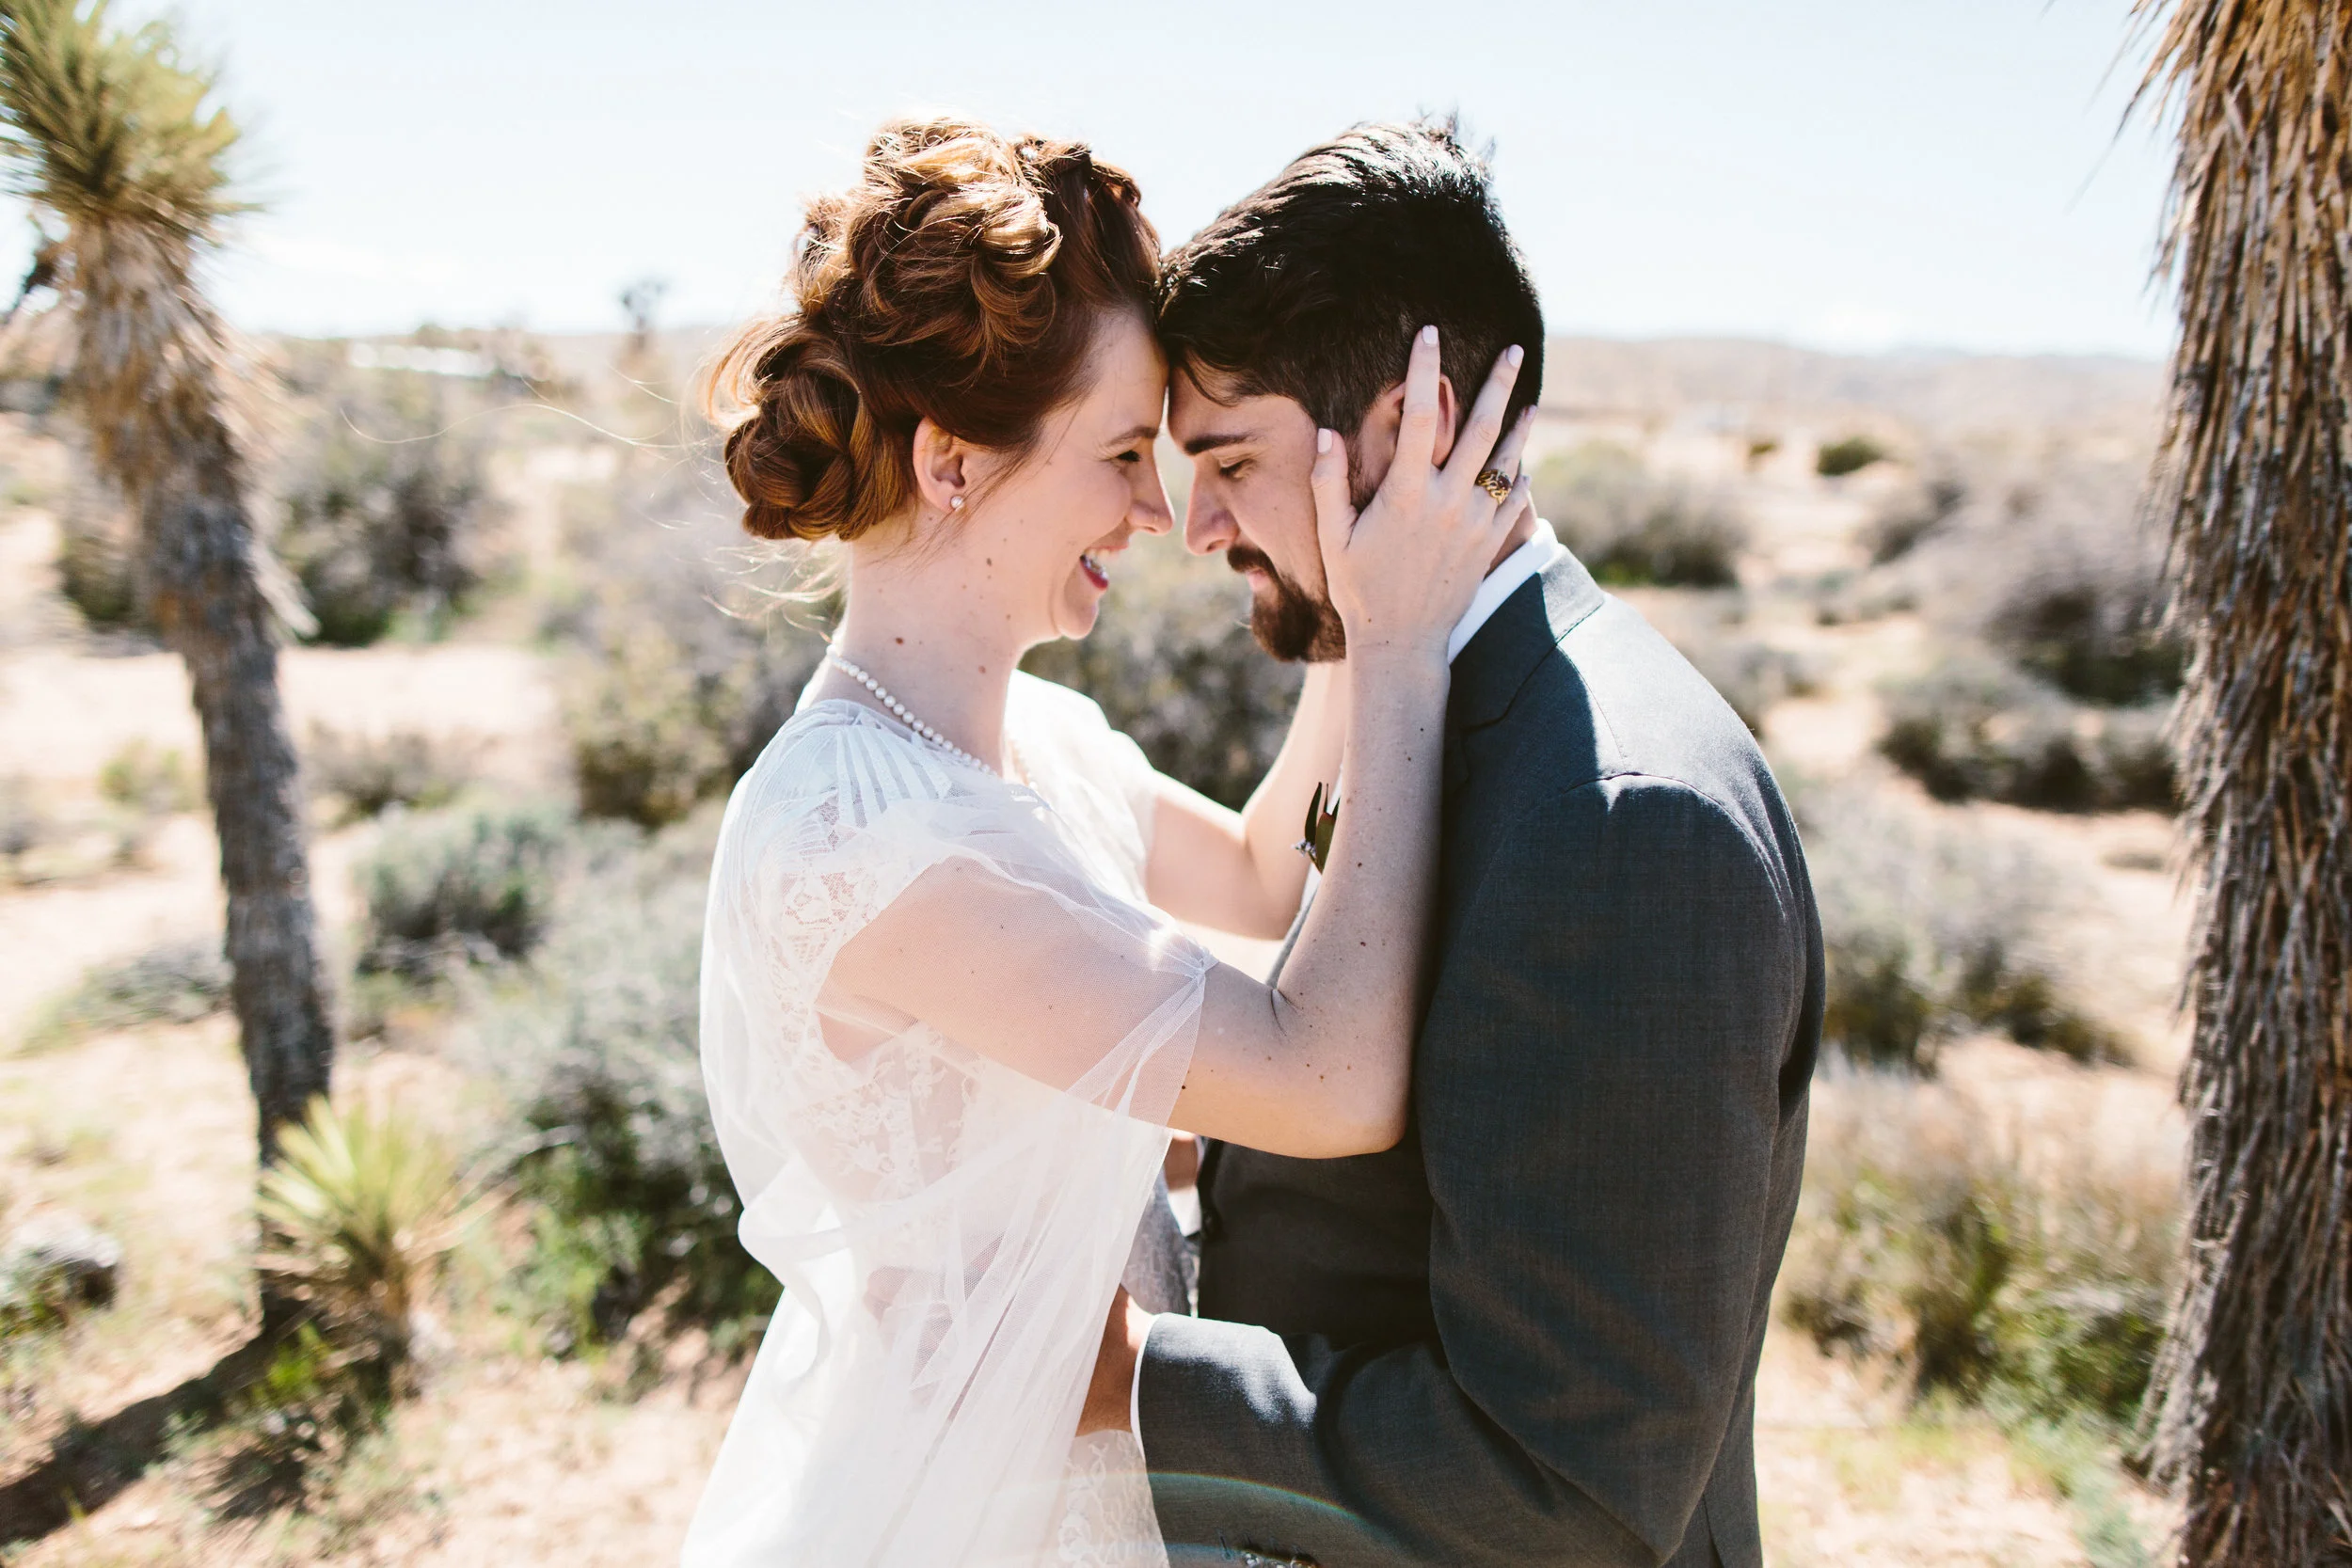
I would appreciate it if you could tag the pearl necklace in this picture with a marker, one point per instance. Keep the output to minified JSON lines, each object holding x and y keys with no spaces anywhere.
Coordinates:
{"x":899,"y":709}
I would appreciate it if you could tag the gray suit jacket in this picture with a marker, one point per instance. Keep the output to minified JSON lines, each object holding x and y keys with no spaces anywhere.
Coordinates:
{"x":1529,"y":1333}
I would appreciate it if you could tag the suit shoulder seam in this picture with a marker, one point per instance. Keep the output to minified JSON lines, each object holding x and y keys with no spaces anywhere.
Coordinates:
{"x":1683,"y":786}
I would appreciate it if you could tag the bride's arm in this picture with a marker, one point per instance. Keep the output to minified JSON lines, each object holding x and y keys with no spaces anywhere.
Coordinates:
{"x":1240,"y":870}
{"x":1314,"y":1068}
{"x":1319,"y":1065}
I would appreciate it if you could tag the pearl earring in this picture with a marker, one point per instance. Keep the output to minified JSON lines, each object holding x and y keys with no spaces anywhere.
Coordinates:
{"x":955,"y":503}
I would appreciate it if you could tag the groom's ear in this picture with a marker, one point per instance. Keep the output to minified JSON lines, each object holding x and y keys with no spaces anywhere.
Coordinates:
{"x":1374,"y":446}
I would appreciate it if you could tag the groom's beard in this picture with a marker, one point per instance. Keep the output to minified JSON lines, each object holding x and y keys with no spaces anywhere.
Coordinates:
{"x":1288,"y":622}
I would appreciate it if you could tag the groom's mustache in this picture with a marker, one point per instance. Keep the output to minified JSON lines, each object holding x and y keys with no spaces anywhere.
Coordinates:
{"x":1248,"y":558}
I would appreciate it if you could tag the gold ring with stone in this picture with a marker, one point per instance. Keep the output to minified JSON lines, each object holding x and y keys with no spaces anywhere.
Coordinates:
{"x":1495,"y":483}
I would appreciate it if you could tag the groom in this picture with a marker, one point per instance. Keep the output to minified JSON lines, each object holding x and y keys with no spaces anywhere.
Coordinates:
{"x":1528,"y":1334}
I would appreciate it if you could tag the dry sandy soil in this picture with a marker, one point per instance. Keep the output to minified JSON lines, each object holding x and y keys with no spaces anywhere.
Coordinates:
{"x":507,"y":1458}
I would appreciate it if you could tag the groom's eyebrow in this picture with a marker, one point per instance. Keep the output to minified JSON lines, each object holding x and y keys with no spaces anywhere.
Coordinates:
{"x":1200,"y":444}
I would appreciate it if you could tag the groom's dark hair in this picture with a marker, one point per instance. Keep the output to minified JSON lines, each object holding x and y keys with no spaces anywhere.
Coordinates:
{"x":1313,"y":286}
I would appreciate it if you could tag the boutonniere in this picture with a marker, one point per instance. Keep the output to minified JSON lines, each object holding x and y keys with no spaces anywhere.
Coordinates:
{"x":1317,"y":842}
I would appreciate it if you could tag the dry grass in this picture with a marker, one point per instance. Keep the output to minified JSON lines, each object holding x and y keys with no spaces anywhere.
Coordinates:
{"x":1935,"y":1235}
{"x":1934,"y":930}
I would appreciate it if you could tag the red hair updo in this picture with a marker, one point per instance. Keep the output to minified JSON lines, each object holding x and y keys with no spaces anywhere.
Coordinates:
{"x":960,"y":279}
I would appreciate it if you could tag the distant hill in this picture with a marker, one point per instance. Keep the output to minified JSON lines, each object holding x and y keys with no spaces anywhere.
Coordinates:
{"x":1760,"y":383}
{"x":1732,"y":382}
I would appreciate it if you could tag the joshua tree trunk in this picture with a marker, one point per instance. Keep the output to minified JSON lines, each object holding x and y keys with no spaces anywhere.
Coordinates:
{"x":2254,"y":1388}
{"x":201,"y":569}
{"x":115,"y":143}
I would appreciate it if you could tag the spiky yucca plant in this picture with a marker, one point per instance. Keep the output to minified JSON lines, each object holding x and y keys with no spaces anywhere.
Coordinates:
{"x":358,"y":1216}
{"x":113,"y":139}
{"x":2255,"y":1385}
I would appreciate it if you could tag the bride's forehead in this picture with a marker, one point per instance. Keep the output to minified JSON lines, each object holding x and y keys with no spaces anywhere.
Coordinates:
{"x":1126,"y":375}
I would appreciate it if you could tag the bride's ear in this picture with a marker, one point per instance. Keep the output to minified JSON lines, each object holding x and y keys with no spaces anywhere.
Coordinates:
{"x":943,"y":467}
{"x":1373,"y":447}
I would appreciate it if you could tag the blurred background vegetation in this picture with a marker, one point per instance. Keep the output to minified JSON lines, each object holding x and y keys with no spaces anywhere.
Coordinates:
{"x":1949,"y":636}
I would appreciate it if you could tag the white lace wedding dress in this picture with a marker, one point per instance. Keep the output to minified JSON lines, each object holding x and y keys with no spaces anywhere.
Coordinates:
{"x":949,"y":1226}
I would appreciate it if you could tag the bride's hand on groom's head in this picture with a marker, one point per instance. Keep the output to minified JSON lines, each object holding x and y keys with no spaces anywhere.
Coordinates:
{"x":1402,"y":571}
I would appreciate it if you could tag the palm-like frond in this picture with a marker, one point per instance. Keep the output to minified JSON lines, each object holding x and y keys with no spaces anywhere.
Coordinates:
{"x":108,"y":134}
{"x":358,"y":1214}
{"x":111,"y":126}
{"x":2255,"y":1385}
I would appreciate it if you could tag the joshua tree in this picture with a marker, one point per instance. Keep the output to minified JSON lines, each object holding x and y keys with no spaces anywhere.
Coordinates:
{"x":2254,"y":1388}
{"x":111,"y":137}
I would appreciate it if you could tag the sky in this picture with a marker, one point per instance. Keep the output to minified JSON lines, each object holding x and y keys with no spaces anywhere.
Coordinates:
{"x":1858,"y":175}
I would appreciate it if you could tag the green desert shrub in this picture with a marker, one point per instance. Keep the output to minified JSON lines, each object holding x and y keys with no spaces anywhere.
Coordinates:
{"x":2041,"y":555}
{"x":177,"y":982}
{"x":294,"y":1427}
{"x":94,"y":575}
{"x":597,"y":1055}
{"x":368,"y":774}
{"x":1932,"y":930}
{"x":653,"y":730}
{"x":1172,"y":663}
{"x":1630,"y":528}
{"x":1974,"y":727}
{"x":95,"y":570}
{"x":471,"y":883}
{"x":52,"y":1276}
{"x":1918,"y":511}
{"x":147,"y":780}
{"x":2077,"y":1456}
{"x":2093,"y":638}
{"x":1849,"y":455}
{"x":683,"y":661}
{"x":26,"y":823}
{"x":1924,"y":1238}
{"x":141,"y":785}
{"x":383,"y":507}
{"x":658,"y":723}
{"x":2058,"y":570}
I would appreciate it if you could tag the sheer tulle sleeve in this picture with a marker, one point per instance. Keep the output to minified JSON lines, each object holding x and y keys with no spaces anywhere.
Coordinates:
{"x":1121,"y":787}
{"x":940,"y":1057}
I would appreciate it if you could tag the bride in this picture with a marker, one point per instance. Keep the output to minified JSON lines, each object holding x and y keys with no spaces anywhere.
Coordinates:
{"x":945,"y":1023}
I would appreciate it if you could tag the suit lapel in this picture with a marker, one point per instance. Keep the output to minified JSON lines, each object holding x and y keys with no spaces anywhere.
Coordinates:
{"x":1487,"y":674}
{"x":1525,"y":628}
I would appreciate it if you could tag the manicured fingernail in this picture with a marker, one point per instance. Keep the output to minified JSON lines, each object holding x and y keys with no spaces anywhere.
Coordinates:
{"x":1429,"y":336}
{"x":1323,"y":440}
{"x":1515,"y":353}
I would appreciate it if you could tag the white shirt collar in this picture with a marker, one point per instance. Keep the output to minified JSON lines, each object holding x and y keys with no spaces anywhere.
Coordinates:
{"x":1541,"y":549}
